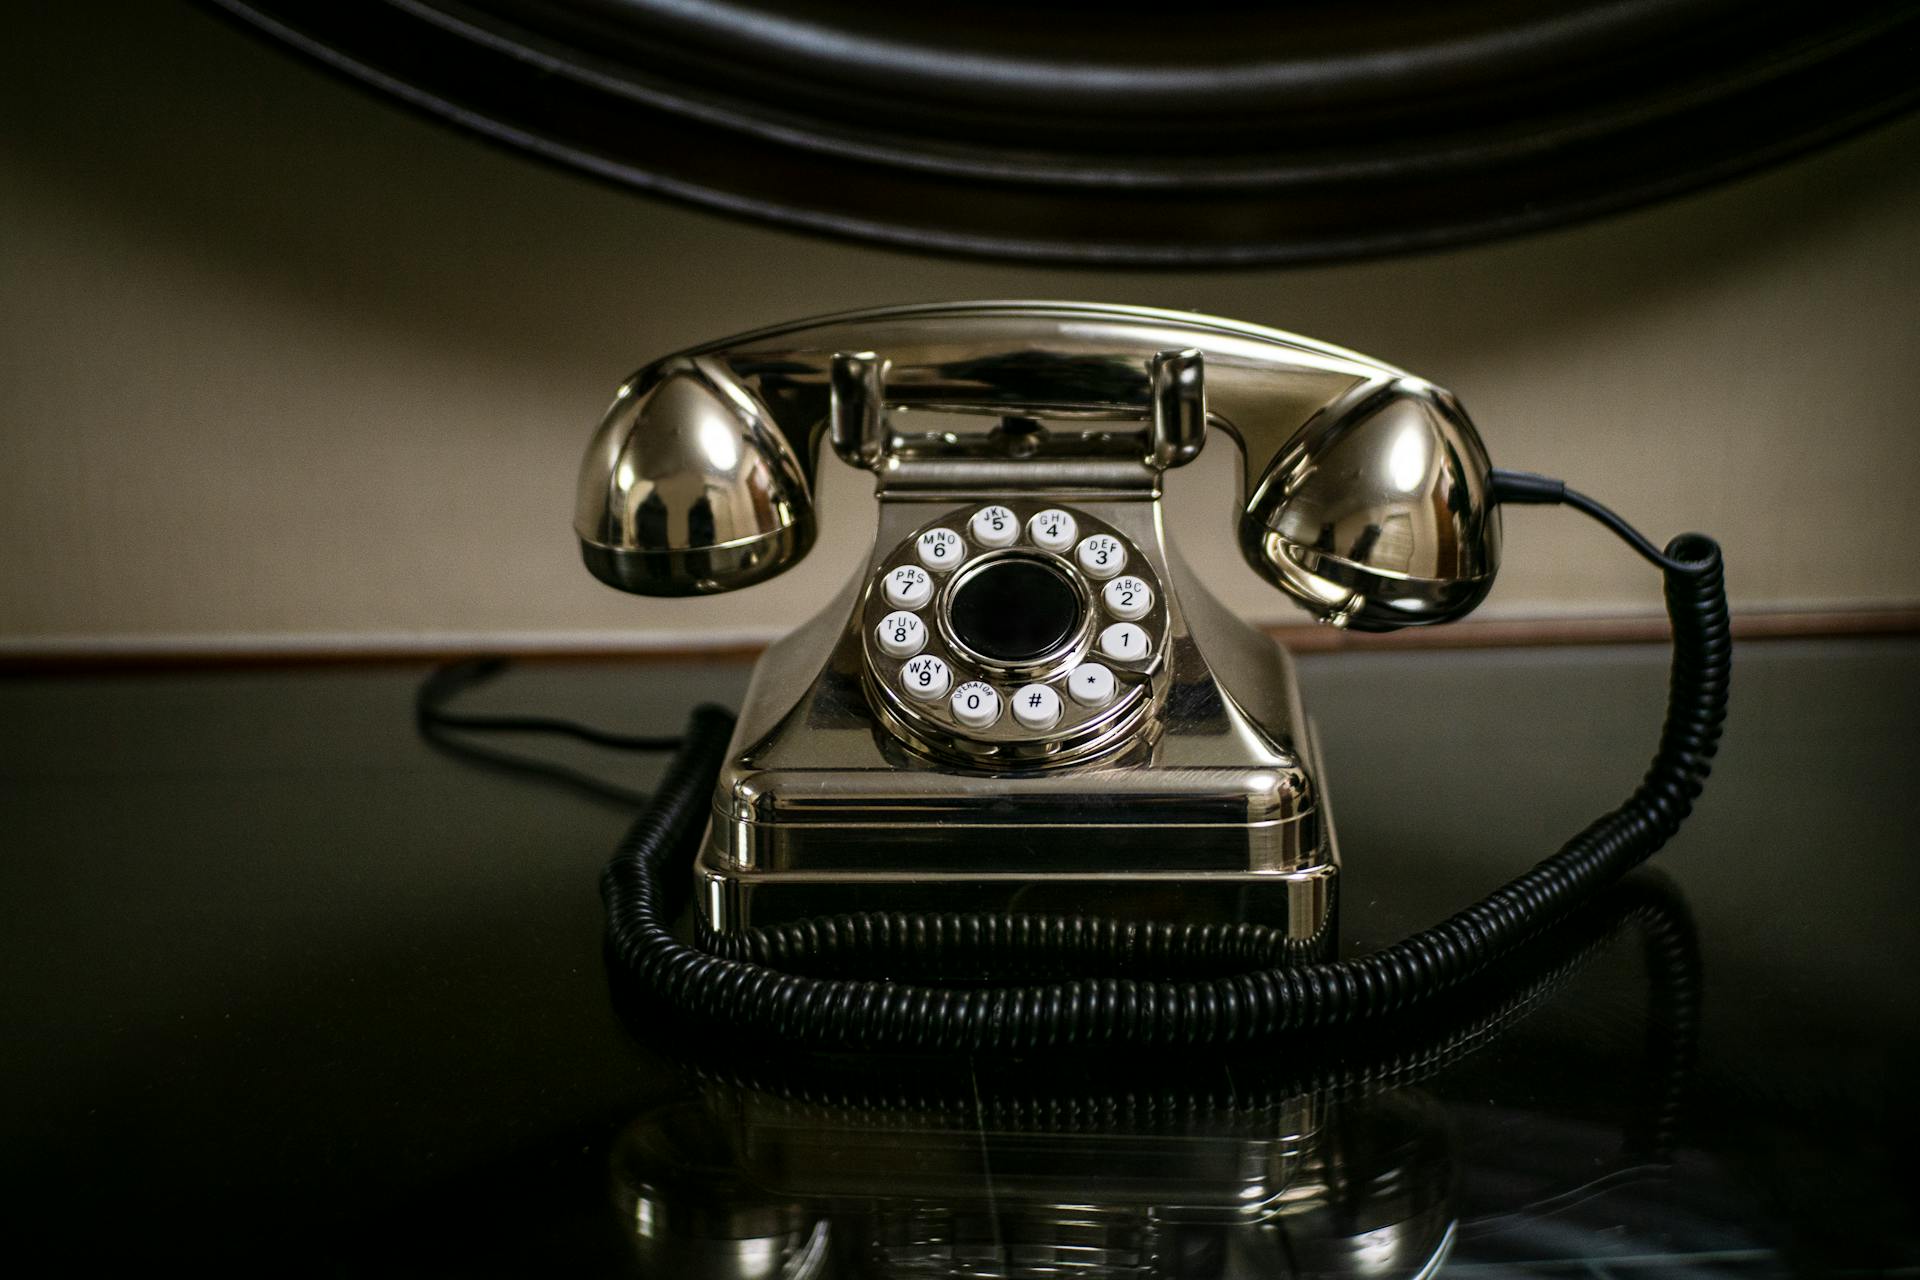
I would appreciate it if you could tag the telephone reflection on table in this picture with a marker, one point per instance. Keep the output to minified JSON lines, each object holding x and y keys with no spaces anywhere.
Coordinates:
{"x":1024,"y":741}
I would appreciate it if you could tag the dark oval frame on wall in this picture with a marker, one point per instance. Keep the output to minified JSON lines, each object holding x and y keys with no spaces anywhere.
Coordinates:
{"x":1208,"y":134}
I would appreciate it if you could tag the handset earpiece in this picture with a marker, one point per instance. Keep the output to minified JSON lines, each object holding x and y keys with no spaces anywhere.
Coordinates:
{"x":1378,"y":513}
{"x":690,"y":488}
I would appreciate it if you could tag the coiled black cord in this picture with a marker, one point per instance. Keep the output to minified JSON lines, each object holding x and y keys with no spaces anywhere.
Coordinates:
{"x":643,"y":887}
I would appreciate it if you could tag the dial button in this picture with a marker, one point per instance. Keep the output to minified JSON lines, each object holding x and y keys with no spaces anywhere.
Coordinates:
{"x":1127,"y":598}
{"x":1036,"y":707}
{"x":925,"y":679}
{"x":940,"y":549}
{"x":1124,"y":642}
{"x":901,"y":634}
{"x":1053,"y":530}
{"x":907,"y":587}
{"x":1091,"y":685}
{"x":975,"y":704}
{"x":1014,"y":610}
{"x":994,"y":527}
{"x":1101,"y":556}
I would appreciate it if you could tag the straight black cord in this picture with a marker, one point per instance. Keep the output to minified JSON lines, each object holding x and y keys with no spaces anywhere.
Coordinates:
{"x":441,"y":727}
{"x":746,"y":995}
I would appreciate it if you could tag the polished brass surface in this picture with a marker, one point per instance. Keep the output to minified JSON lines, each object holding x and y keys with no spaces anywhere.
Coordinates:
{"x":830,"y":803}
{"x":1365,"y":493}
{"x":1189,"y":795}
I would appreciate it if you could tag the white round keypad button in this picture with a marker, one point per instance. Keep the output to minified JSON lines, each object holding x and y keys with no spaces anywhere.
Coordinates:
{"x":926,"y":679}
{"x":1053,"y":530}
{"x":1036,"y":707}
{"x":976,"y":705}
{"x":994,"y":527}
{"x":940,"y":549}
{"x":1127,"y":598}
{"x":1124,"y":642}
{"x":1101,"y":556}
{"x":902,"y":634}
{"x":907,"y":587}
{"x":1091,"y":685}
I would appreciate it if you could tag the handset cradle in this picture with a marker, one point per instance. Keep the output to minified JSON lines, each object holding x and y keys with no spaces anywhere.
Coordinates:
{"x":1024,"y":702}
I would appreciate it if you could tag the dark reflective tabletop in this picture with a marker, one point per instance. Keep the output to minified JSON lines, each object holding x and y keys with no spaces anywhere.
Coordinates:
{"x":288,"y":990}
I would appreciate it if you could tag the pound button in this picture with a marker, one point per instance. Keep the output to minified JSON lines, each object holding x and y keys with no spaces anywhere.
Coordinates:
{"x":1036,"y":707}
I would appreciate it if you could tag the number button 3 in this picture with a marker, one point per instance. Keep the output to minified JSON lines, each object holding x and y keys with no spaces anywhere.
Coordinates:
{"x":1101,"y":556}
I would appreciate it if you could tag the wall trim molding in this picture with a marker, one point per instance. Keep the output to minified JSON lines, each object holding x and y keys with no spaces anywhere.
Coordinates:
{"x":81,"y":655}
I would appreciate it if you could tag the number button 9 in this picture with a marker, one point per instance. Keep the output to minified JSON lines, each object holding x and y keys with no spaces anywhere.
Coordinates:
{"x":925,"y":679}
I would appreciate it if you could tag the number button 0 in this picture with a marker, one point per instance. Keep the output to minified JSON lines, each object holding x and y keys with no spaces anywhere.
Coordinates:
{"x":1127,"y":598}
{"x":907,"y":587}
{"x":1036,"y":707}
{"x":1124,"y":642}
{"x":1053,"y":530}
{"x":976,"y":705}
{"x":902,"y":634}
{"x":940,"y":549}
{"x":925,"y":679}
{"x":1101,"y":556}
{"x":994,"y":527}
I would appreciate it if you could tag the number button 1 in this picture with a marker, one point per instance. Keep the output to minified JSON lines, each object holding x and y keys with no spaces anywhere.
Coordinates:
{"x":901,"y":635}
{"x":1124,"y":642}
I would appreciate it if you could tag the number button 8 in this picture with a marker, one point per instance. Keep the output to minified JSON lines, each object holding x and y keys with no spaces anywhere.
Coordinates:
{"x":901,"y":634}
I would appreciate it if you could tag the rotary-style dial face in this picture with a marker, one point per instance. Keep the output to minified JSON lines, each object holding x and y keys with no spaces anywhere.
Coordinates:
{"x":1015,"y":634}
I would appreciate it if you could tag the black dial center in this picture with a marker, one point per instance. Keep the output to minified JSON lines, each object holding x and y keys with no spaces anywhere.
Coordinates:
{"x":1014,"y":610}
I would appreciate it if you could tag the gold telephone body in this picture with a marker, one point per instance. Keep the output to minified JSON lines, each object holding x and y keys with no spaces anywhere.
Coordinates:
{"x":1025,"y":701}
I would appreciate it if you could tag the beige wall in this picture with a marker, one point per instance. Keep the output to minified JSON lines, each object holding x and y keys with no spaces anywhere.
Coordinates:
{"x":280,"y":364}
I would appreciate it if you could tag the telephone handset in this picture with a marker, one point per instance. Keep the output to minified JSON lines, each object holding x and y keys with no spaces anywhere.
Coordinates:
{"x":1024,"y":738}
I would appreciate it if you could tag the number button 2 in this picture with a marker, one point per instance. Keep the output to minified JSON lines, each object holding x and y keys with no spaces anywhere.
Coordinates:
{"x":1127,"y":598}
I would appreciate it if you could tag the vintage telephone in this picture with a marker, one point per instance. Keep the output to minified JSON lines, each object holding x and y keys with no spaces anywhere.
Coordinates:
{"x":1024,"y":778}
